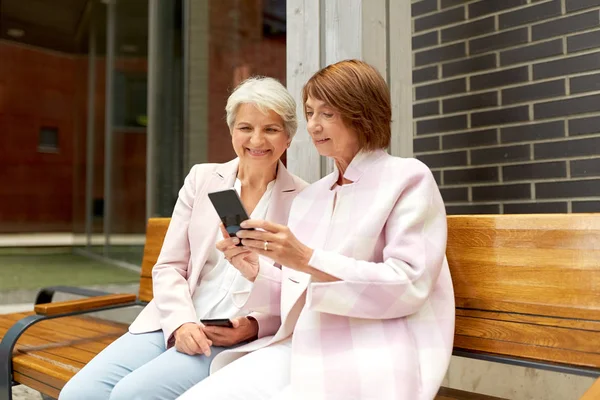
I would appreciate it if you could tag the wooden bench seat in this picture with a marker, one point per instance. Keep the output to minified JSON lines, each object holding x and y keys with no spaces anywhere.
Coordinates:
{"x":49,"y":353}
{"x":527,"y":291}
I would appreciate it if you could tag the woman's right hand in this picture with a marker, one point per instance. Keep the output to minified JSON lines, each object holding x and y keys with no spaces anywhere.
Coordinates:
{"x":191,"y":340}
{"x":241,"y":258}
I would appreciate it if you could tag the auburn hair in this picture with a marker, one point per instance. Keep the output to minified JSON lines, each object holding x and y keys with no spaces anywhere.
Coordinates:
{"x":359,"y":93}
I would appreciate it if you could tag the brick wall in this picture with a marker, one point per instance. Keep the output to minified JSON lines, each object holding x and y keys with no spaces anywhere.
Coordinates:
{"x":45,"y":192}
{"x":507,"y":103}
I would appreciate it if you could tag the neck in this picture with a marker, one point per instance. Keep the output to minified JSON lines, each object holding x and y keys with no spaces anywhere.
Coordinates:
{"x":342,"y":165}
{"x":256,"y":177}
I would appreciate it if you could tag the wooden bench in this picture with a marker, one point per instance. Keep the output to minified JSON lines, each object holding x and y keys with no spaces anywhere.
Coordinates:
{"x":527,"y":293}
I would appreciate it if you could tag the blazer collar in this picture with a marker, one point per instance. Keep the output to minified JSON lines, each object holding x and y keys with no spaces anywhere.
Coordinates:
{"x":228,"y":171}
{"x":359,"y":164}
{"x":283,"y":183}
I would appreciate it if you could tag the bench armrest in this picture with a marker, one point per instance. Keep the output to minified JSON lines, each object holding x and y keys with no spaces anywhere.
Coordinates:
{"x":593,"y":392}
{"x":92,"y":303}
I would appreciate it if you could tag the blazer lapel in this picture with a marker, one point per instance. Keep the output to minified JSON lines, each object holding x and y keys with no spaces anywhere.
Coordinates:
{"x":284,"y":191}
{"x":205,"y":219}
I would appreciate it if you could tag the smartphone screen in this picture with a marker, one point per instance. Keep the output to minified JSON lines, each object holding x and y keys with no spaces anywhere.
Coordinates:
{"x":230,"y":209}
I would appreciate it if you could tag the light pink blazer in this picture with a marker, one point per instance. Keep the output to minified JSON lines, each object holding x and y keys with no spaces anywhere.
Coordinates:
{"x":385,"y":331}
{"x":191,"y":235}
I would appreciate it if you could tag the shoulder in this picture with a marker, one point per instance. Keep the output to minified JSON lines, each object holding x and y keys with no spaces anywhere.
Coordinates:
{"x":200,"y":173}
{"x":223,"y":169}
{"x":203,"y":169}
{"x":403,"y":171}
{"x":407,"y":164}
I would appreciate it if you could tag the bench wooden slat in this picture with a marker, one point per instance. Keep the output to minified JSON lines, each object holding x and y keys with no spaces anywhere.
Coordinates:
{"x":37,"y":340}
{"x":37,"y":385}
{"x":530,"y":319}
{"x":34,"y":345}
{"x":58,"y":362}
{"x":53,"y":331}
{"x":88,"y":323}
{"x":95,"y":324}
{"x":528,"y":222}
{"x":527,"y":351}
{"x":542,"y":336}
{"x":525,"y":236}
{"x":47,"y":373}
{"x":524,"y":308}
{"x":81,"y":331}
{"x":93,"y":344}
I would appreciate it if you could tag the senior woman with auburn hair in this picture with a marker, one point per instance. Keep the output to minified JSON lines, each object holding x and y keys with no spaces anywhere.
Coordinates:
{"x":364,"y":291}
{"x":167,"y":350}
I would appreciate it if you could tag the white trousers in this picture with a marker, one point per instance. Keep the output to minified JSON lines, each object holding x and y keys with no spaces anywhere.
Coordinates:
{"x":261,"y":375}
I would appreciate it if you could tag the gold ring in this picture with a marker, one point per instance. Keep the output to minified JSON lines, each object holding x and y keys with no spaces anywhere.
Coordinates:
{"x":266,"y":246}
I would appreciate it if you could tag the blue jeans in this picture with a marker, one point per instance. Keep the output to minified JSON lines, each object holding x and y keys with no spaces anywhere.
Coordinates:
{"x":138,"y":367}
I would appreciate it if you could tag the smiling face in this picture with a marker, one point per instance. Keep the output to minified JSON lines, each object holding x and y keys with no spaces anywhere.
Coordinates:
{"x":258,"y":138}
{"x":328,"y":131}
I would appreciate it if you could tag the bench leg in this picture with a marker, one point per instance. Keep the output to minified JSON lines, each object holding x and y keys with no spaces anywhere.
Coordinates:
{"x":6,"y":382}
{"x":6,"y":350}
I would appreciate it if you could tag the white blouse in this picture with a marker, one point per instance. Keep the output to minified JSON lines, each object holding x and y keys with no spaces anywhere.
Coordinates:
{"x":219,"y":279}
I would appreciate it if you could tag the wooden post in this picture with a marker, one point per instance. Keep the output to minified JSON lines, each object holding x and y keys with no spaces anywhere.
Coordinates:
{"x":303,"y":60}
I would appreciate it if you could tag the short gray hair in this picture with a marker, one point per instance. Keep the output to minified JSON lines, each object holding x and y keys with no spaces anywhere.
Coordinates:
{"x":265,"y":94}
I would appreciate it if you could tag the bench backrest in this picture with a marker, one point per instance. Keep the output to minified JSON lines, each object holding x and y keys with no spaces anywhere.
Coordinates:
{"x":527,"y":286}
{"x":155,"y":235}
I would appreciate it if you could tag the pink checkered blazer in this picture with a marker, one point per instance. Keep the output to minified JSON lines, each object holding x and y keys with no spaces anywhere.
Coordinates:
{"x":190,"y":238}
{"x":385,"y":331}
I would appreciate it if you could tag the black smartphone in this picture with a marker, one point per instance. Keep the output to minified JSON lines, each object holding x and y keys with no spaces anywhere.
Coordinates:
{"x":230,"y":209}
{"x":224,"y":322}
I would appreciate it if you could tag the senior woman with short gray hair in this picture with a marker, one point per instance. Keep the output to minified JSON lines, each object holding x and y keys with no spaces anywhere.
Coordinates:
{"x":167,"y":349}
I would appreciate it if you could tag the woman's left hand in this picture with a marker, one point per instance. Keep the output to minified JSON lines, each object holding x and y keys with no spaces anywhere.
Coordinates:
{"x":244,"y":329}
{"x":276,"y":242}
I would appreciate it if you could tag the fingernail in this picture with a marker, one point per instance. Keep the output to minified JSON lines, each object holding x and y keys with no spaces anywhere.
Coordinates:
{"x":243,"y":224}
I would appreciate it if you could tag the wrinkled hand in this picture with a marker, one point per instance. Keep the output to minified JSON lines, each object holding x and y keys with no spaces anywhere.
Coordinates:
{"x":244,"y":328}
{"x":191,"y":340}
{"x":241,"y":258}
{"x":282,"y":246}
